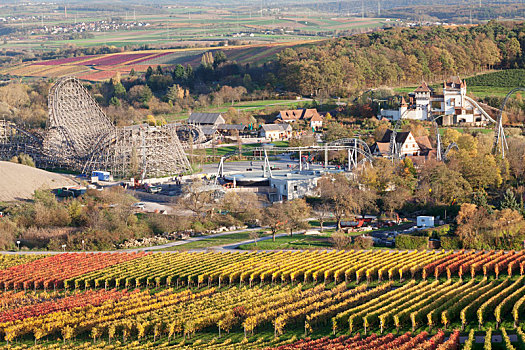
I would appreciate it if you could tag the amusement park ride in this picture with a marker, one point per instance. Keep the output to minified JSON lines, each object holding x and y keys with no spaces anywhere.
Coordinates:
{"x":80,"y":137}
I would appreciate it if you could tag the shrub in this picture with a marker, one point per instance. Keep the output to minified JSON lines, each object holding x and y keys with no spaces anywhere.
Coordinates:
{"x":411,"y":242}
{"x":451,"y":242}
{"x":24,"y":159}
{"x":362,"y":243}
{"x":435,"y":232}
{"x":340,"y":240}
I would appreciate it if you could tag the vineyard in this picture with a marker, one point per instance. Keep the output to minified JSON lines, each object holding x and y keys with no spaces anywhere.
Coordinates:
{"x":509,"y":78}
{"x":263,"y":300}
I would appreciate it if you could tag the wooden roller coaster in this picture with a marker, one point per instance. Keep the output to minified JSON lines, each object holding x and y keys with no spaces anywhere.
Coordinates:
{"x":80,"y":137}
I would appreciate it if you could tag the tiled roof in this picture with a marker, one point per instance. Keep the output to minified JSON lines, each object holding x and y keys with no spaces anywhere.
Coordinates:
{"x":401,"y":136}
{"x":423,"y":142}
{"x":383,"y":147}
{"x":423,"y":88}
{"x":291,"y":114}
{"x":275,"y":127}
{"x":205,"y":118}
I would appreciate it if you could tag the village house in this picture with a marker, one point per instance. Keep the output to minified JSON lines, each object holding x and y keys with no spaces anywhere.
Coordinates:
{"x":407,"y":145}
{"x":276,"y":131}
{"x":232,"y":129}
{"x":453,"y":104}
{"x":291,"y":116}
{"x":316,"y":123}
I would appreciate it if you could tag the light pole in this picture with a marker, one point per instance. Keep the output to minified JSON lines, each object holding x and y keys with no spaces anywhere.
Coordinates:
{"x":64,"y":247}
{"x":18,"y":244}
{"x":83,"y":245}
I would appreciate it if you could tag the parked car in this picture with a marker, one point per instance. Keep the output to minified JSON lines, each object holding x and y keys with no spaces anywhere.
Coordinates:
{"x":154,"y":189}
{"x":139,"y":205}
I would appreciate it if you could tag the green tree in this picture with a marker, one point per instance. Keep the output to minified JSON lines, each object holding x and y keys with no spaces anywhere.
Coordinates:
{"x":510,"y":201}
{"x":114,"y":101}
{"x":149,"y":72}
{"x":218,"y":58}
{"x":119,"y":90}
{"x":146,"y":95}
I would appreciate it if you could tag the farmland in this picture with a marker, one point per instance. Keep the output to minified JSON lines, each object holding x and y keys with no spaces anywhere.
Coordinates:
{"x":282,"y":300}
{"x":123,"y":25}
{"x":104,"y":67}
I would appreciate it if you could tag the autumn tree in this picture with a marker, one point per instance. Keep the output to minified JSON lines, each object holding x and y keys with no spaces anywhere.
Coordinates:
{"x":444,"y":185}
{"x":479,"y":229}
{"x":197,"y":199}
{"x":450,"y":136}
{"x":245,"y":207}
{"x":296,"y":211}
{"x":394,"y":200}
{"x":481,"y":171}
{"x":274,"y":218}
{"x":344,"y":197}
{"x":322,"y":212}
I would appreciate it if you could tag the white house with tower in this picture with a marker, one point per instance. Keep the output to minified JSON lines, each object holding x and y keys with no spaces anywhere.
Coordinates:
{"x":453,"y":104}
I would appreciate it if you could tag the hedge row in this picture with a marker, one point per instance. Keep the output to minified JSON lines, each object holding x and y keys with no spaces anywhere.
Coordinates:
{"x":411,"y":242}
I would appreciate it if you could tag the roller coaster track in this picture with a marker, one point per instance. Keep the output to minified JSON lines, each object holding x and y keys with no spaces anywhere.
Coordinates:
{"x":476,"y":104}
{"x":500,"y":141}
{"x":358,"y":152}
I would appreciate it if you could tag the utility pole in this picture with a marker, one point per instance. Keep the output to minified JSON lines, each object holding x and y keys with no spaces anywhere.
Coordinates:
{"x":261,"y":7}
{"x":362,"y":9}
{"x":378,"y":8}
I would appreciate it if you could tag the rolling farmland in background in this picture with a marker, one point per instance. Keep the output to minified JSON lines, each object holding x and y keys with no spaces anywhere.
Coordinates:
{"x":103,"y":67}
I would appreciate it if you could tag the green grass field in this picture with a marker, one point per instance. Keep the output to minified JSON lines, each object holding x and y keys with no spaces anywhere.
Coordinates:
{"x":248,"y":106}
{"x":213,"y":242}
{"x":297,"y":241}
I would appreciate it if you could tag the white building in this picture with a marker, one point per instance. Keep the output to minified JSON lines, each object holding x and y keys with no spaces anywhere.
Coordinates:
{"x":294,"y":184}
{"x":276,"y":131}
{"x":407,"y":145}
{"x":453,"y":104}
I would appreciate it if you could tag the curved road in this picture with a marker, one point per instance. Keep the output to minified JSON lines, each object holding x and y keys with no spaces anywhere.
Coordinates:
{"x":159,"y":248}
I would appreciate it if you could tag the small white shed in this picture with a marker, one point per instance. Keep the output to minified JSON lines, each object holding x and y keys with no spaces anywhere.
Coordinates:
{"x":425,"y":221}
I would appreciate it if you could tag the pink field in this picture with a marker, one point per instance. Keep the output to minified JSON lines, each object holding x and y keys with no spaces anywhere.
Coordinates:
{"x":64,"y":60}
{"x":114,"y":59}
{"x":150,"y":58}
{"x":98,"y":76}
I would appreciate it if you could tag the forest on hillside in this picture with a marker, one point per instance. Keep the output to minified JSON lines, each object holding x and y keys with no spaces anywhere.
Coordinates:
{"x":401,"y":56}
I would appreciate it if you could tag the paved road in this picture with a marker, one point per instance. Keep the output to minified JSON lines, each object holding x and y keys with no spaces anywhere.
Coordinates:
{"x":234,"y":246}
{"x":193,"y":239}
{"x":157,"y":248}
